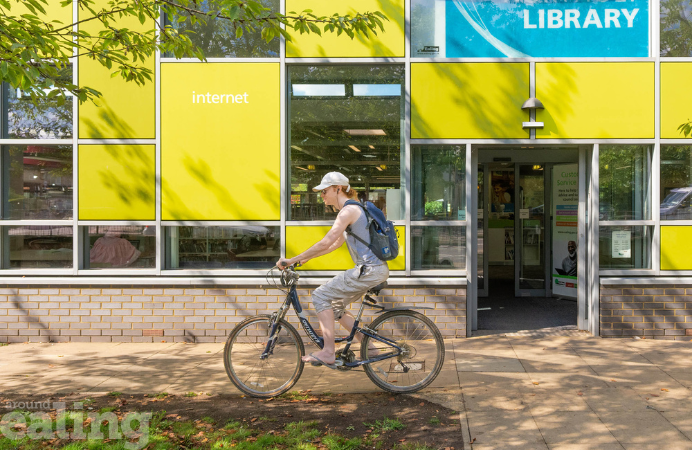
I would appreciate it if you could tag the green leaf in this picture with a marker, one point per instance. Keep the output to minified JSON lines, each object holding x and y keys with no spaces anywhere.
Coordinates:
{"x":239,"y":32}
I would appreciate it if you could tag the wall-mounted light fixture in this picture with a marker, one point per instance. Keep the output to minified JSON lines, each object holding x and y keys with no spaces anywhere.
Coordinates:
{"x":531,"y":105}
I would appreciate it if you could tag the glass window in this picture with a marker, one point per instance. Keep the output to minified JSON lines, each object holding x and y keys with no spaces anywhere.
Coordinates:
{"x":242,"y":247}
{"x":521,"y":29}
{"x":20,"y":118}
{"x":676,"y":182}
{"x":347,"y":119}
{"x":217,"y":37}
{"x":37,"y":247}
{"x":624,"y":182}
{"x":627,"y":247}
{"x":439,"y":186}
{"x":115,"y":246}
{"x":676,"y":28}
{"x":438,"y":248}
{"x":37,"y":182}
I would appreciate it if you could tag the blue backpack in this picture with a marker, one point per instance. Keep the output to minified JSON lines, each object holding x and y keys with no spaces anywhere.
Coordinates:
{"x":383,"y":237}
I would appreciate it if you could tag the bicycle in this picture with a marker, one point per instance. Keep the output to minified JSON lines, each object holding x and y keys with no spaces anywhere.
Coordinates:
{"x":402,"y":351}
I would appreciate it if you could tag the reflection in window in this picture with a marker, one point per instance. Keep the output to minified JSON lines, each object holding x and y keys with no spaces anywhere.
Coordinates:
{"x":38,"y":182}
{"x":439,"y":186}
{"x":37,"y":247}
{"x":241,"y":247}
{"x":676,"y":183}
{"x":624,"y":176}
{"x":438,"y":248}
{"x":217,"y":38}
{"x":357,"y":133}
{"x":625,"y":247}
{"x":120,"y":246}
{"x":676,"y":28}
{"x":22,"y":119}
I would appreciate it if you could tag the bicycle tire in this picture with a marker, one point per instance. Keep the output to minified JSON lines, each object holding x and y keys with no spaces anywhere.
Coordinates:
{"x":396,"y":379}
{"x":245,"y":368}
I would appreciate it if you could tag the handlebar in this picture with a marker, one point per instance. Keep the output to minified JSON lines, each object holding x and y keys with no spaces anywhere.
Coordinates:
{"x":289,"y":275}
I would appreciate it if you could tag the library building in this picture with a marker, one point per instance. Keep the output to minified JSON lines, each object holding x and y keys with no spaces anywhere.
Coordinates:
{"x":531,"y":155}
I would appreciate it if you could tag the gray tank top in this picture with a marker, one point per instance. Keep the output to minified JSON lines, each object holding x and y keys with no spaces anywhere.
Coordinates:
{"x":361,"y":253}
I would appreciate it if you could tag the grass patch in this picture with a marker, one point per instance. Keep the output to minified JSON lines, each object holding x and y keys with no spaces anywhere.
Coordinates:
{"x":4,"y":344}
{"x":336,"y":442}
{"x":412,"y":446}
{"x":434,"y":421}
{"x":161,"y":395}
{"x":296,"y":395}
{"x":190,"y":394}
{"x":384,"y":425}
{"x":115,"y":394}
{"x":107,"y":409}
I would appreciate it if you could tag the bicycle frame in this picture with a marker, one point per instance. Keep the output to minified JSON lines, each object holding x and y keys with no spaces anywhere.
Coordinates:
{"x":293,"y":301}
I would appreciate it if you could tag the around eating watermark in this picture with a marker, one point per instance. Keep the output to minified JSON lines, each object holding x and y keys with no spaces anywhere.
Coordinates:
{"x":53,"y":420}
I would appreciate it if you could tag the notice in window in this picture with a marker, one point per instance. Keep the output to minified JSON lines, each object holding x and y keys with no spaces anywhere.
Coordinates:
{"x":622,"y":244}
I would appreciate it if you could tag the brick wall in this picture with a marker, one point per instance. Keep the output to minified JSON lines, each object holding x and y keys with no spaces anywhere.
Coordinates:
{"x":655,"y":312}
{"x":175,"y":314}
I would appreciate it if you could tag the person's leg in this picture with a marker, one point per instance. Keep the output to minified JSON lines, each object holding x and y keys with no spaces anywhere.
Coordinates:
{"x":347,"y":321}
{"x":326,"y":319}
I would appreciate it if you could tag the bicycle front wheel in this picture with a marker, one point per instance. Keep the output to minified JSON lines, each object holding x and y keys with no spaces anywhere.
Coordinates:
{"x":422,"y":357}
{"x":268,"y":377}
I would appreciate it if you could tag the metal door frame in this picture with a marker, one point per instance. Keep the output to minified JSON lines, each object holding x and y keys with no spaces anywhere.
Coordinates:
{"x":588,"y":299}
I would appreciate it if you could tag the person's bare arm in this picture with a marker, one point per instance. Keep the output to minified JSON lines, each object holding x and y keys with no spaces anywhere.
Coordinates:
{"x":331,"y":241}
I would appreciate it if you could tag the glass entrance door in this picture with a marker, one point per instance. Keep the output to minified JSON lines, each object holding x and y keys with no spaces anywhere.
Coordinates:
{"x":533,"y":206}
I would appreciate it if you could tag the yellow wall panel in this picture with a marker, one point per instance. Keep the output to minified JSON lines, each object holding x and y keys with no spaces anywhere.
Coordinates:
{"x":676,"y":98}
{"x":675,"y":248}
{"x":476,"y":100}
{"x":117,"y":182}
{"x":387,"y":43}
{"x":596,"y":100}
{"x":220,"y":159}
{"x":54,"y":11}
{"x":300,"y":238}
{"x":125,"y":110}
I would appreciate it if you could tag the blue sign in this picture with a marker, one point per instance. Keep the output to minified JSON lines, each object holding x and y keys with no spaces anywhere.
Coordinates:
{"x":489,"y":29}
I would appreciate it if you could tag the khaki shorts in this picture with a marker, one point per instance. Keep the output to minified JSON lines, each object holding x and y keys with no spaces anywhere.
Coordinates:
{"x":347,"y":287}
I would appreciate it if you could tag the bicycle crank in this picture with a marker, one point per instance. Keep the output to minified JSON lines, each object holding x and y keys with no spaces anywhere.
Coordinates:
{"x":345,"y":358}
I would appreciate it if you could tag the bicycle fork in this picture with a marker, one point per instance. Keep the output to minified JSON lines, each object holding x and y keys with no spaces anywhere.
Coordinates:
{"x":275,"y":330}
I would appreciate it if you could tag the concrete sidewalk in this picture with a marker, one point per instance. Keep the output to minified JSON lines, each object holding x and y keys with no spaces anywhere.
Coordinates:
{"x":530,"y":392}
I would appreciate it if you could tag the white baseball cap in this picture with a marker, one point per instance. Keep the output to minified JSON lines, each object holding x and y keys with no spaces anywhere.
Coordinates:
{"x":333,"y":179}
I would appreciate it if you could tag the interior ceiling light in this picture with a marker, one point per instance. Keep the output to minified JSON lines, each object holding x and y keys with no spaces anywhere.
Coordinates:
{"x":366,"y":132}
{"x":354,"y":148}
{"x":378,"y":168}
{"x":301,"y":168}
{"x":372,"y":147}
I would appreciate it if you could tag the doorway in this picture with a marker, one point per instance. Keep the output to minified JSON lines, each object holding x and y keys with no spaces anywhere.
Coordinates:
{"x":528,"y":225}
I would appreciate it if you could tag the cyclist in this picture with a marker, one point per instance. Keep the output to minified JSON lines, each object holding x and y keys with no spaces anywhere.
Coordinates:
{"x":330,"y":299}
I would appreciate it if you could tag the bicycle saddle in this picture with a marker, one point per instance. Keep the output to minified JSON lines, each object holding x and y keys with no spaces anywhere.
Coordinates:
{"x":376,"y":290}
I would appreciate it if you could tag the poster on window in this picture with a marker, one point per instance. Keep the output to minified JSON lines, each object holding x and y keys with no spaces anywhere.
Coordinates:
{"x":523,"y":29}
{"x":565,"y":229}
{"x":622,"y":244}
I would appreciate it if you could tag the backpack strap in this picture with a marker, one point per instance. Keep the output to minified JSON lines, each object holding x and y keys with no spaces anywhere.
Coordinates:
{"x":367,"y":217}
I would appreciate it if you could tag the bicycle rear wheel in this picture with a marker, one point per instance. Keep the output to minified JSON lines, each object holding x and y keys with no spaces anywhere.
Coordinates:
{"x":421,"y":360}
{"x":267,"y":377}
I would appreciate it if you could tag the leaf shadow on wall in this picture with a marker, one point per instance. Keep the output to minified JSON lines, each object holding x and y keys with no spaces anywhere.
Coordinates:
{"x":234,"y":204}
{"x":139,"y":186}
{"x":108,"y":125}
{"x":488,"y":120}
{"x":563,"y":88}
{"x":396,"y":20}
